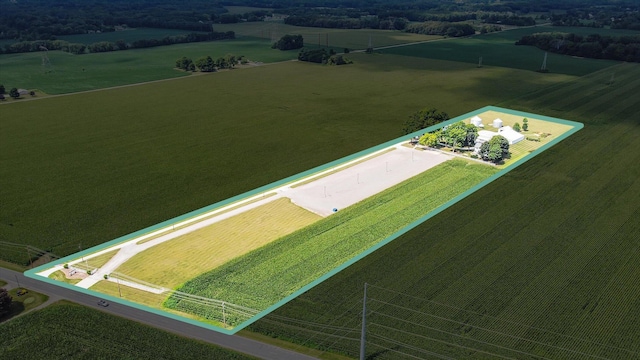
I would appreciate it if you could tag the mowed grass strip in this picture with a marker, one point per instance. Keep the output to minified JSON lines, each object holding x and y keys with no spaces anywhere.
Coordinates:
{"x":544,"y":253}
{"x":178,"y":260}
{"x":267,"y":275}
{"x":66,"y":330}
{"x":69,"y":165}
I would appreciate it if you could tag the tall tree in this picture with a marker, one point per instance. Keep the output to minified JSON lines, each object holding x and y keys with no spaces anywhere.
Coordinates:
{"x":5,"y":302}
{"x":429,"y":139}
{"x":525,"y":124}
{"x":14,"y":93}
{"x":2,"y":89}
{"x":423,"y":119}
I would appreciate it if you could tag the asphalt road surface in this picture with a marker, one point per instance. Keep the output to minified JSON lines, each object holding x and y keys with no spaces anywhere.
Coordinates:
{"x":233,"y":342}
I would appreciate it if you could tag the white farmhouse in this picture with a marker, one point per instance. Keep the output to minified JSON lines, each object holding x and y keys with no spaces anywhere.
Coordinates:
{"x":511,"y":135}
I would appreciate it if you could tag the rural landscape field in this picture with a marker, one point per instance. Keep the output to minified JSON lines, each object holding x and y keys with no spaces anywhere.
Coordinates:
{"x":538,"y":264}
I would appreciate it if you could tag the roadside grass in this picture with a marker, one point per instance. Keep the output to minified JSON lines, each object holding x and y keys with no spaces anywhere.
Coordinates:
{"x":267,"y":275}
{"x":544,"y":253}
{"x":67,"y":330}
{"x":2,"y":283}
{"x":499,"y":49}
{"x":73,"y":73}
{"x":354,"y":39}
{"x":60,"y":276}
{"x":23,"y":303}
{"x":12,"y":265}
{"x":96,"y":262}
{"x":71,"y":163}
{"x":178,"y":260}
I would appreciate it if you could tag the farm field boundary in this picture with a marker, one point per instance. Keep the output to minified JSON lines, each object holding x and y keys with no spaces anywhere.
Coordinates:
{"x":294,"y":286}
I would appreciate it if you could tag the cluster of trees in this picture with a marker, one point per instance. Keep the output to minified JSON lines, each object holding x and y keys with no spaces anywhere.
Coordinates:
{"x":456,"y":135}
{"x":105,"y":46}
{"x":251,"y":16}
{"x":14,"y":93}
{"x":30,"y":20}
{"x":5,"y":302}
{"x":623,"y":48}
{"x":461,"y":135}
{"x":505,"y":19}
{"x":422,"y":119}
{"x":441,"y":28}
{"x":321,"y":56}
{"x":616,"y":16}
{"x":345,"y":22}
{"x":208,"y":64}
{"x":495,"y":150}
{"x":289,"y":42}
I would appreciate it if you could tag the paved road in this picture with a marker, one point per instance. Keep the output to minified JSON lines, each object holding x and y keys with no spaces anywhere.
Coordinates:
{"x":233,"y":342}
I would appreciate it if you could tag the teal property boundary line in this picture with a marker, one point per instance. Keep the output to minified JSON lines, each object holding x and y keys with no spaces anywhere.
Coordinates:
{"x":33,"y":272}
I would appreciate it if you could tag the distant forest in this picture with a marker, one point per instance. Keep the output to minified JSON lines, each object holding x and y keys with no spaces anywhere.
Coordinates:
{"x":622,"y":48}
{"x":37,"y":20}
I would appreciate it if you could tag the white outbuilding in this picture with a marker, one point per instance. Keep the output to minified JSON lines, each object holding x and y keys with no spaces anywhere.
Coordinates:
{"x":497,"y":123}
{"x":477,"y":121}
{"x":511,"y":135}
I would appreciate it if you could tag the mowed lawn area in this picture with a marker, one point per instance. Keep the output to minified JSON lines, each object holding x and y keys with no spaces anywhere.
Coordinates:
{"x":499,"y":49}
{"x":539,"y":263}
{"x":178,"y":260}
{"x":65,"y":330}
{"x":73,"y":73}
{"x":87,"y":168}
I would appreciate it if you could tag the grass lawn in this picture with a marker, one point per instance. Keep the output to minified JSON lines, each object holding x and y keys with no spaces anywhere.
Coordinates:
{"x":176,"y":261}
{"x":2,"y":283}
{"x":69,"y":165}
{"x":267,"y":275}
{"x":23,"y":303}
{"x":544,"y":253}
{"x":499,"y":49}
{"x":96,"y":335}
{"x":73,"y":73}
{"x":60,"y":276}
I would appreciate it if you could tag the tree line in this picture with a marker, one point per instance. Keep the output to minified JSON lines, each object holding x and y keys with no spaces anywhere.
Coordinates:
{"x":441,"y":28}
{"x":622,"y":48}
{"x":208,"y":64}
{"x":106,"y":46}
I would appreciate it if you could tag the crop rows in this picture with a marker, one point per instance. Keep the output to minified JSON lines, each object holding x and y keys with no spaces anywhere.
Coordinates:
{"x":45,"y":334}
{"x":267,"y":275}
{"x":544,"y":255}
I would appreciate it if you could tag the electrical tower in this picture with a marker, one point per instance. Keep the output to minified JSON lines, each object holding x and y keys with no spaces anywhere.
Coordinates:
{"x":46,"y":63}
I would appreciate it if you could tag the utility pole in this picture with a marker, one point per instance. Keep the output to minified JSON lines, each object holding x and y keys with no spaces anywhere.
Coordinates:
{"x":544,"y":62}
{"x":363,"y":338}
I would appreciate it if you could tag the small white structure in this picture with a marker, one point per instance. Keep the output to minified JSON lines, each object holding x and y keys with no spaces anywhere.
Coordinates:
{"x":477,"y":121}
{"x":497,"y":123}
{"x":511,"y":135}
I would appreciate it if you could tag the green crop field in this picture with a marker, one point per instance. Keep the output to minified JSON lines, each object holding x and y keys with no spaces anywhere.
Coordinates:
{"x":538,"y":264}
{"x":95,"y":335}
{"x":73,"y":73}
{"x":499,"y":49}
{"x":71,"y":164}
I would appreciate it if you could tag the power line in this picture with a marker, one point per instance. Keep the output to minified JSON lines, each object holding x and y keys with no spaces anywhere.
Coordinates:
{"x":412,"y":347}
{"x":460,"y":336}
{"x":509,"y":321}
{"x":489,"y":330}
